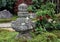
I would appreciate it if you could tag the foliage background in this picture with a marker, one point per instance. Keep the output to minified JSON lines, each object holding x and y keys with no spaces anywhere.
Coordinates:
{"x":7,"y":4}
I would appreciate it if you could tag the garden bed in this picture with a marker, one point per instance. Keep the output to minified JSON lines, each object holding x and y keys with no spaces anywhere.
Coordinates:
{"x":9,"y":36}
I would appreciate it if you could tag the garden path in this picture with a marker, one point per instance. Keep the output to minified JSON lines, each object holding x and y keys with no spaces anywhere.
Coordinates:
{"x":6,"y":26}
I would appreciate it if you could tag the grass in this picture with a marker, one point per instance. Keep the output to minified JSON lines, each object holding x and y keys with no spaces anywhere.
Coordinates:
{"x":9,"y":36}
{"x":56,"y":32}
{"x":8,"y":20}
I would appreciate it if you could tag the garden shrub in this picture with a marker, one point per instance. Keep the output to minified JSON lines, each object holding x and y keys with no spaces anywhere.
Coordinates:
{"x":42,"y":5}
{"x":47,"y":25}
{"x":45,"y":11}
{"x":30,"y":8}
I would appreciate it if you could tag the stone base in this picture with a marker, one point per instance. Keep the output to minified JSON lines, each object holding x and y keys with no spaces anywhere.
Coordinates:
{"x":24,"y":35}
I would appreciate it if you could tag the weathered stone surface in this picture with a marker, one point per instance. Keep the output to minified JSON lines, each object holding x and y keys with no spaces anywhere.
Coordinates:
{"x":22,"y":24}
{"x":24,"y":35}
{"x":22,"y":7}
{"x":23,"y":14}
{"x":22,"y":10}
{"x":5,"y":14}
{"x":32,"y":15}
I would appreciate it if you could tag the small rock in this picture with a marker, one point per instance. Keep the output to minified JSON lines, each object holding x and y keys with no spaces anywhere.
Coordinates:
{"x":5,"y":14}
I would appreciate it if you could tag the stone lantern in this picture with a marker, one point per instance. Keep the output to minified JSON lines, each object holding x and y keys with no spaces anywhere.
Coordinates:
{"x":22,"y":10}
{"x":23,"y":24}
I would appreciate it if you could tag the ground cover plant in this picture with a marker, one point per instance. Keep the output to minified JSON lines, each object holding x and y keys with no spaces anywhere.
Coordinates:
{"x":9,"y":36}
{"x":8,"y":19}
